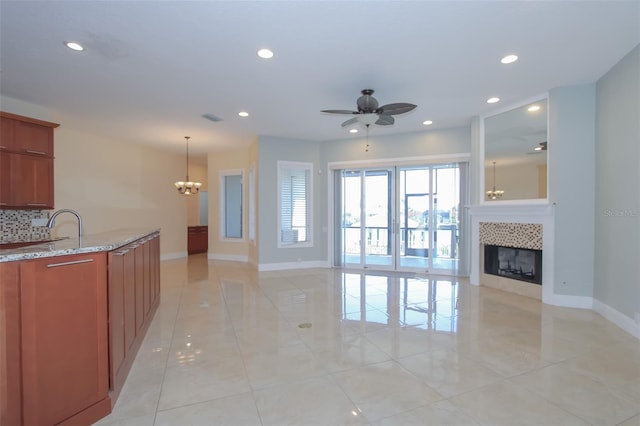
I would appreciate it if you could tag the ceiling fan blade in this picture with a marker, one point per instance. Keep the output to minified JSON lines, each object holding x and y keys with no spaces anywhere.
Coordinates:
{"x":350,"y":121}
{"x":385,"y":120}
{"x":394,"y":109}
{"x":339,"y":111}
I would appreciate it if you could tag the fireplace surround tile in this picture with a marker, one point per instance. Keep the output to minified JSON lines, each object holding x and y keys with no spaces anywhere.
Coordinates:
{"x":517,"y":235}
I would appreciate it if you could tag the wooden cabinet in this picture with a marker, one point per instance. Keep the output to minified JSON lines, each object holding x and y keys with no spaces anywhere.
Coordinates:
{"x":61,"y":364}
{"x":26,"y":135}
{"x":197,"y":239}
{"x":10,"y":372}
{"x":26,"y":162}
{"x":134,"y":295}
{"x":5,"y":177}
{"x":34,"y":138}
{"x":69,"y":331}
{"x":31,"y":181}
{"x":117,"y":319}
{"x":7,"y":133}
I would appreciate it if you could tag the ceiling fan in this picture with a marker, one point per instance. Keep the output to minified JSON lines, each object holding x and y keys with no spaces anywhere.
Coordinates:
{"x":542,"y":146}
{"x":369,"y":112}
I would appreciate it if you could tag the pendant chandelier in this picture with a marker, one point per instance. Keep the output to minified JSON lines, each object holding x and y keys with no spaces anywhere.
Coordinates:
{"x":494,"y":193}
{"x":187,"y":187}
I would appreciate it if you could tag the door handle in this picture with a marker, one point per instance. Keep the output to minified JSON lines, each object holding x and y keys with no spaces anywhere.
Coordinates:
{"x":75,"y":262}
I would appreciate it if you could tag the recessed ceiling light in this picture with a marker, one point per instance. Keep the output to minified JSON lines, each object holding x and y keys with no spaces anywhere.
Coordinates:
{"x":353,"y":131}
{"x":74,"y":46}
{"x":533,"y":108}
{"x":243,"y":114}
{"x":427,"y":123}
{"x":265,"y":53}
{"x":509,"y":59}
{"x":538,"y":148}
{"x":493,"y":100}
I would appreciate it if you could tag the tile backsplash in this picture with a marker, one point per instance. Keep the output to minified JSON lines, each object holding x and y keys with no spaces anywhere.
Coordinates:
{"x":16,"y":225}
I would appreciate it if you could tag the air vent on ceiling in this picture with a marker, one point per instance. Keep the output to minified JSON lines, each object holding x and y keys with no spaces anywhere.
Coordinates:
{"x":212,"y":117}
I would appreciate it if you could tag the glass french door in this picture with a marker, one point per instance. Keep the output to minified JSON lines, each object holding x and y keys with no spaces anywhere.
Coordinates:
{"x":399,"y":218}
{"x":428,"y":215}
{"x":367,"y":226}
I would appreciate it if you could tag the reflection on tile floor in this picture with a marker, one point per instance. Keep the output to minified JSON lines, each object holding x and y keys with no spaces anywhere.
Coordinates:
{"x":226,"y":348}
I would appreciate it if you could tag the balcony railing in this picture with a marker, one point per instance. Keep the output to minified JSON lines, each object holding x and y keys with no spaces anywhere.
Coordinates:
{"x":413,"y":241}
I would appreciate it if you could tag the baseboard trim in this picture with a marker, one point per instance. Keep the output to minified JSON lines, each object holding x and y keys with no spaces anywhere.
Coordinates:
{"x":172,"y":256}
{"x":568,"y":301}
{"x":293,"y":265}
{"x":617,"y":317}
{"x":229,"y":257}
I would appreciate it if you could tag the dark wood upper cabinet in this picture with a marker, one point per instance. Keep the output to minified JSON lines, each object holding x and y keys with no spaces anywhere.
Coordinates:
{"x":26,"y":162}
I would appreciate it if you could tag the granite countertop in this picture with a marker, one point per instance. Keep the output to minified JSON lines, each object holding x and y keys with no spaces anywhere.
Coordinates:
{"x":105,"y":241}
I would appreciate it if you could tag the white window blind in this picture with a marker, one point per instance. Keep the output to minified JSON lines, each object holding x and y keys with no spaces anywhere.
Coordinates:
{"x":294,"y":201}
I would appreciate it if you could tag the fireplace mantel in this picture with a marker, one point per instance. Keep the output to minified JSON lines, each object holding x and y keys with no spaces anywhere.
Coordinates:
{"x":516,"y":212}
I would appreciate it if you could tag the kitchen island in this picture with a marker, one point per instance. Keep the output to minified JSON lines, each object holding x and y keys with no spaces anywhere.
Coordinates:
{"x":73,"y":313}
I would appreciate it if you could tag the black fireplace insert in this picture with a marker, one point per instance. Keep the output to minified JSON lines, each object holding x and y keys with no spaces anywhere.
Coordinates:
{"x":515,"y":263}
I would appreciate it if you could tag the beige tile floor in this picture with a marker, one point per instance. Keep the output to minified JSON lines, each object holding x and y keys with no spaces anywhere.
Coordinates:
{"x":231,"y":346}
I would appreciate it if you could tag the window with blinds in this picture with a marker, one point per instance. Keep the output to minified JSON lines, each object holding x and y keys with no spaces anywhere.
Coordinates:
{"x":294,"y":203}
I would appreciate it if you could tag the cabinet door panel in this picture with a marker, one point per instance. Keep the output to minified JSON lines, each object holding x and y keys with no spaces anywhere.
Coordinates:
{"x":10,"y":372}
{"x":129,"y":298}
{"x":117,"y":348}
{"x":32,"y":181}
{"x":7,"y":134}
{"x":64,"y":336}
{"x":155,"y":268}
{"x":139,"y":285}
{"x":146,"y":277}
{"x":5,"y":179}
{"x":34,"y":139}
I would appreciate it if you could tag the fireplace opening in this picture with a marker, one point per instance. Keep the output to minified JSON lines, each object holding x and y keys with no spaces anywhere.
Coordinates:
{"x":515,"y":263}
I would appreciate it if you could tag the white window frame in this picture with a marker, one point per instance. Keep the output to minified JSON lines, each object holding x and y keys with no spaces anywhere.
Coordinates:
{"x":223,"y":209}
{"x":285,"y":167}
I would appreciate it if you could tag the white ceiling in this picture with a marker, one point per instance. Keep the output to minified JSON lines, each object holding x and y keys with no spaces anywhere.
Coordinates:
{"x":152,"y":68}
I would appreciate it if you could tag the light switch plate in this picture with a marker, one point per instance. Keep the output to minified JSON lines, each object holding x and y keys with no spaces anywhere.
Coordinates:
{"x":39,"y":222}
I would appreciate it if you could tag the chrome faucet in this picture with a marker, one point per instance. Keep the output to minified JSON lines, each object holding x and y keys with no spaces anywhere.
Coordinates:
{"x":52,"y":220}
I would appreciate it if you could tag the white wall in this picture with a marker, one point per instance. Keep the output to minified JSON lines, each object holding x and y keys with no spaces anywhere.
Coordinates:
{"x":571,"y":167}
{"x":435,"y":142}
{"x":617,"y":207}
{"x":270,"y":150}
{"x":254,"y":253}
{"x":219,"y":248}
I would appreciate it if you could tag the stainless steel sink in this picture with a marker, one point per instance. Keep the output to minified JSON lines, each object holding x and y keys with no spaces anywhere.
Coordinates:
{"x":20,"y":244}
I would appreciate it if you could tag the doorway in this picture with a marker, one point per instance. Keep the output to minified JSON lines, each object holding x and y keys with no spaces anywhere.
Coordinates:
{"x":398,"y":218}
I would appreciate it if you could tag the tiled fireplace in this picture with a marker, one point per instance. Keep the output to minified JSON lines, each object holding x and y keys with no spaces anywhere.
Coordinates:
{"x":511,"y":257}
{"x":512,"y":248}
